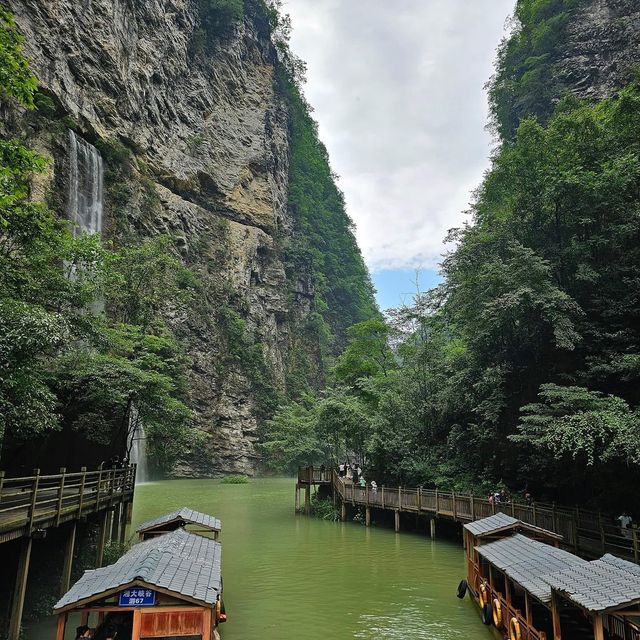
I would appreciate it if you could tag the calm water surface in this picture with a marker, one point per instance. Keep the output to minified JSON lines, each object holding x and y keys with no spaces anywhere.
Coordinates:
{"x":291,"y":577}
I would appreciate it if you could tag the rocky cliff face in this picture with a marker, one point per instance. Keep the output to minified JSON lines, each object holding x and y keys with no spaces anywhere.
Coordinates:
{"x":601,"y":47}
{"x":206,"y":136}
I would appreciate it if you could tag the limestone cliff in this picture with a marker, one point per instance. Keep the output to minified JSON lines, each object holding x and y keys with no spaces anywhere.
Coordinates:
{"x":196,"y":144}
{"x":601,"y":47}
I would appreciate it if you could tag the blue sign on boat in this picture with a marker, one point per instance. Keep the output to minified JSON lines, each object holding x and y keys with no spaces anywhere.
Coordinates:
{"x":137,"y":597}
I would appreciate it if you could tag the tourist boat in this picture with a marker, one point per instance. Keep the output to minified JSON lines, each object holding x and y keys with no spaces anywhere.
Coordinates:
{"x":169,"y":585}
{"x":195,"y":521}
{"x":529,"y":587}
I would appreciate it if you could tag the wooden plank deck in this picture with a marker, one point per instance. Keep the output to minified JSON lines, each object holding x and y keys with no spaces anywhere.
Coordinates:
{"x":42,"y":501}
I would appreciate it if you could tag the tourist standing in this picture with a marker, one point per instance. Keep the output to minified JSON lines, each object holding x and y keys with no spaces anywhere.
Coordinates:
{"x":341,"y":469}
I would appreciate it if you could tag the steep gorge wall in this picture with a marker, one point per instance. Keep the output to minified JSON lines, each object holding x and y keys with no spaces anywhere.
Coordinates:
{"x":588,"y":48}
{"x":601,"y":47}
{"x":195,"y":145}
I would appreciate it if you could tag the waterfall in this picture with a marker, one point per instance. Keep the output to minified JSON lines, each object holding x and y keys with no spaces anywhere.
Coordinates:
{"x":137,"y":446}
{"x":86,"y":172}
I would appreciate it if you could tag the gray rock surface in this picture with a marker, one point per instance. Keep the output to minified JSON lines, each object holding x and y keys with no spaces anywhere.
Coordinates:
{"x":602,"y":47}
{"x":211,"y":133}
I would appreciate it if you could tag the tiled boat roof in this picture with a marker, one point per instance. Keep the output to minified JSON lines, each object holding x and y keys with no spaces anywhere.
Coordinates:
{"x":528,"y":562}
{"x":501,"y":522}
{"x":492,"y":523}
{"x":188,"y":515}
{"x":607,"y":583}
{"x":180,"y":562}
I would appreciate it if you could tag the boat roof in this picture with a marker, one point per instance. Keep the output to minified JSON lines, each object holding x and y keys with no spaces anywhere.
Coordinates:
{"x":503,"y":522}
{"x":528,"y":562}
{"x":609,"y":583}
{"x":179,"y":562}
{"x":184,"y":514}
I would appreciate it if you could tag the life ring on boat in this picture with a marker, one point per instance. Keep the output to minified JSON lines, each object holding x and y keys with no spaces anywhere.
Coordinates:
{"x":483,"y":597}
{"x":497,"y":612}
{"x":462,"y":589}
{"x":514,"y":629}
{"x":486,"y":614}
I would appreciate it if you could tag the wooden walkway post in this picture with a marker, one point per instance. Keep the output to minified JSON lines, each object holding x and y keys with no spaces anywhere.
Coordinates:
{"x":65,"y":578}
{"x":115,"y":521}
{"x":102,"y":538}
{"x":123,"y":521}
{"x":20,"y":589}
{"x":63,"y":470}
{"x":34,"y":500}
{"x":397,"y":520}
{"x":307,"y":499}
{"x":83,"y":480}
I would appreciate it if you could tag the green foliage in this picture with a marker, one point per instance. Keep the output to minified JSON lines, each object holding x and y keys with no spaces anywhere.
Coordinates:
{"x":16,"y":79}
{"x":523,"y":367}
{"x":235,"y":479}
{"x":63,"y":364}
{"x":324,"y":246}
{"x":576,"y":422}
{"x":525,"y":83}
{"x":367,"y":353}
{"x":290,"y":438}
{"x":113,"y":551}
{"x":217,"y":19}
{"x":324,"y":509}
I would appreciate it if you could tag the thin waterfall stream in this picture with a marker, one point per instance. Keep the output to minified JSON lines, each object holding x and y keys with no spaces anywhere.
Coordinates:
{"x":137,"y":446}
{"x":86,"y":177}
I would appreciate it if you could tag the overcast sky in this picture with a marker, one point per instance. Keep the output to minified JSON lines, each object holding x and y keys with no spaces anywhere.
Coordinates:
{"x":397,"y":88}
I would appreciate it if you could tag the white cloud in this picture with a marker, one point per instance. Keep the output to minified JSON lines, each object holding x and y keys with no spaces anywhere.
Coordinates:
{"x":397,"y":89}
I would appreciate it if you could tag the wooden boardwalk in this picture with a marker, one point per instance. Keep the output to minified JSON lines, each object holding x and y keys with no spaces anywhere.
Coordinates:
{"x":588,"y":533}
{"x":31,"y":505}
{"x":42,"y":501}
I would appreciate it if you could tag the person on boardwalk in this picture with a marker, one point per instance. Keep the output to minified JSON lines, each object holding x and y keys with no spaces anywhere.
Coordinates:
{"x":528,"y":499}
{"x":348,"y":471}
{"x":626,"y":522}
{"x":355,"y":474}
{"x":341,"y":469}
{"x":374,"y":487}
{"x":323,"y":473}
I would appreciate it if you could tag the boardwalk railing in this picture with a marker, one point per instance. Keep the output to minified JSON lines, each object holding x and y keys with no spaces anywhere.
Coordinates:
{"x":40,"y":501}
{"x":589,"y":533}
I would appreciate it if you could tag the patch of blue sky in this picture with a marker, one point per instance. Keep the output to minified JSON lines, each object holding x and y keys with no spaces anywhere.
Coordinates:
{"x":396,"y":287}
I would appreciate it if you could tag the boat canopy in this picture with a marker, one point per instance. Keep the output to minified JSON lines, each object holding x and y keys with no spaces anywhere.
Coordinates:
{"x":502,"y":523}
{"x":179,"y":563}
{"x":603,"y":585}
{"x":529,"y":563}
{"x":179,"y":518}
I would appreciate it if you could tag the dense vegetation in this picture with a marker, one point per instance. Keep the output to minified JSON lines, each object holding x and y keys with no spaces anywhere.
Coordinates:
{"x":64,"y":366}
{"x":525,"y":82}
{"x":522,"y":368}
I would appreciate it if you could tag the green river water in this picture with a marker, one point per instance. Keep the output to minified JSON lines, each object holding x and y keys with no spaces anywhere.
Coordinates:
{"x":292,"y":577}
